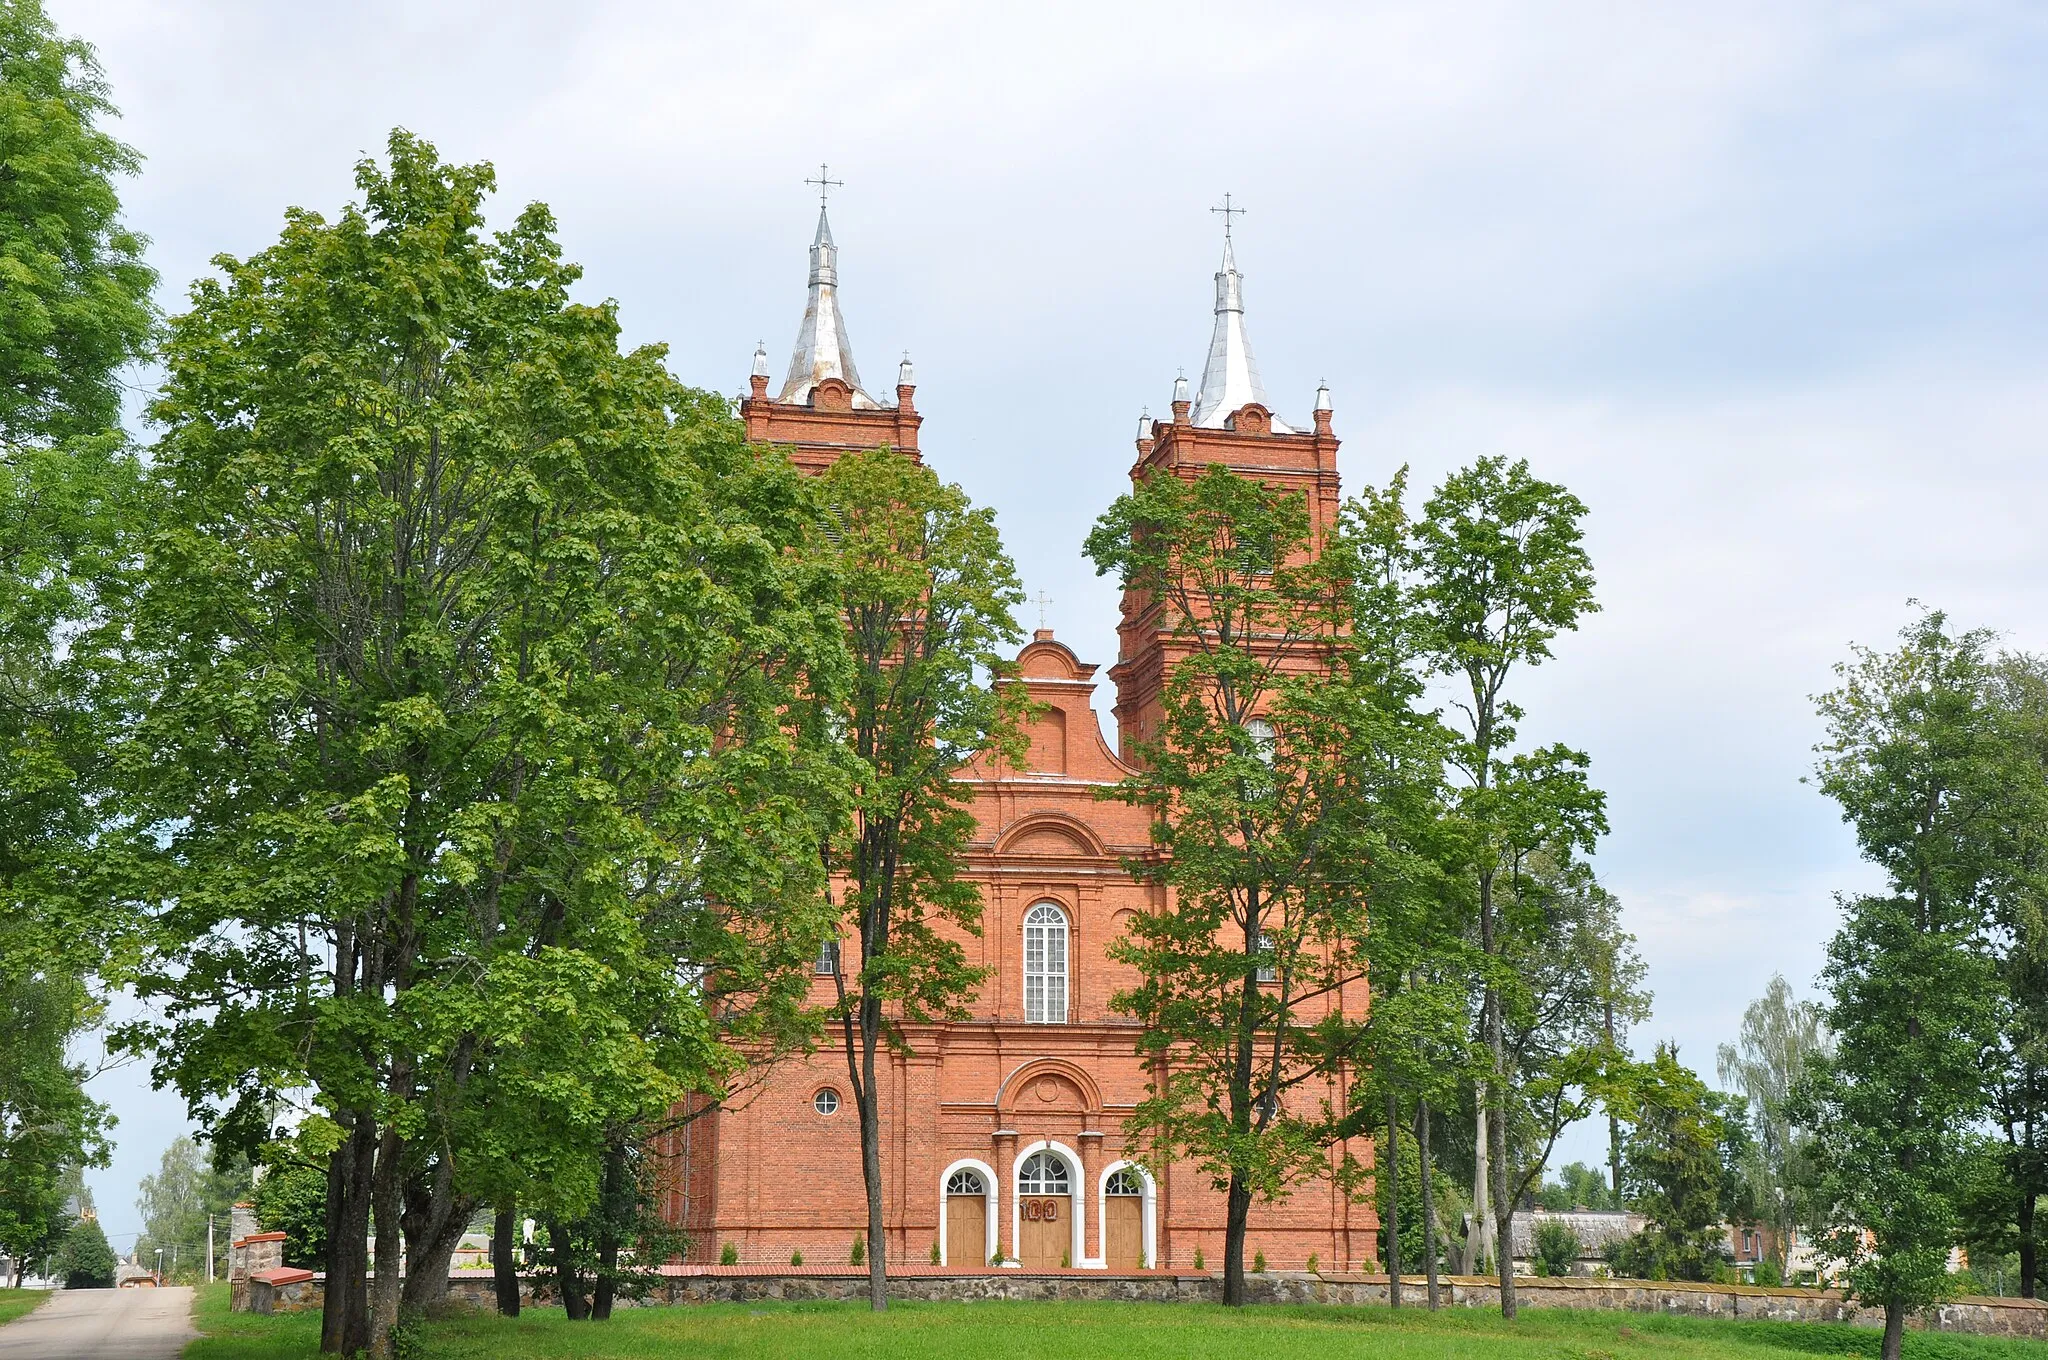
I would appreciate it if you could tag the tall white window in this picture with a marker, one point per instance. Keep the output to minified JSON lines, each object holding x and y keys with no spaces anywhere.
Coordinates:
{"x":1045,"y":965}
{"x":1269,"y":971}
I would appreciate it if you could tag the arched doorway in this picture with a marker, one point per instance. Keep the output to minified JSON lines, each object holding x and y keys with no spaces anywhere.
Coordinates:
{"x":969,"y":1213}
{"x":1124,"y":1202}
{"x":1045,"y":1210}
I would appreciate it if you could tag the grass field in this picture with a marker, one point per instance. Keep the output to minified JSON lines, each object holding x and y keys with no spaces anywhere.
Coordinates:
{"x":15,"y":1302}
{"x":1134,"y":1331}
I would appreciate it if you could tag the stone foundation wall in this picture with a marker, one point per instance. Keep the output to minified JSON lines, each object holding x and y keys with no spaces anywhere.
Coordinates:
{"x":742,"y":1284}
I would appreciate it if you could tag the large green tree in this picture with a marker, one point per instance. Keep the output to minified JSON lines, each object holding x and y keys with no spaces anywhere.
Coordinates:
{"x":188,"y":1192}
{"x":1923,"y":772}
{"x":74,"y":311}
{"x":1780,"y":1035}
{"x":1684,"y":1169}
{"x":928,"y":597}
{"x":1292,"y":781}
{"x":462,"y":669}
{"x":1501,"y":572}
{"x":74,"y":290}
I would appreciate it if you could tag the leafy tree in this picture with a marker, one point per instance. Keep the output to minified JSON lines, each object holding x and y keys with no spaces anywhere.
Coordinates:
{"x":291,"y":1198}
{"x":1578,"y":1186}
{"x":463,"y":667}
{"x":1779,"y":1037}
{"x":1684,"y":1166}
{"x":927,"y":595}
{"x":83,"y":1260}
{"x":2005,"y":1209}
{"x":1924,"y":775}
{"x":1501,"y":572}
{"x":74,"y":291}
{"x":1556,"y":1247}
{"x":177,"y":1201}
{"x":1291,"y":781}
{"x":1577,"y":986}
{"x":74,"y":309}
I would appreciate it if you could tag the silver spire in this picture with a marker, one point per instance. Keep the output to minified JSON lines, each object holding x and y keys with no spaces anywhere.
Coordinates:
{"x":1231,"y":377}
{"x":822,"y":350}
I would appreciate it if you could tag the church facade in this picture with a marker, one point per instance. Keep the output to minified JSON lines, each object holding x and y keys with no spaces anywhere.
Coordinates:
{"x":1003,"y":1136}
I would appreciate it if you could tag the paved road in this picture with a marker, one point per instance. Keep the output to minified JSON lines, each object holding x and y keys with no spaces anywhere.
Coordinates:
{"x":103,"y":1324}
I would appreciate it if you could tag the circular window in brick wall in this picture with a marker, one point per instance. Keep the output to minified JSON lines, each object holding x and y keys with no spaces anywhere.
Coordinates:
{"x":826,"y":1101}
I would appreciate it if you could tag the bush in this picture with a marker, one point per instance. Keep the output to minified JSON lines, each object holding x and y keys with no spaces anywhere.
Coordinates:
{"x":860,"y":1250}
{"x":728,"y":1255}
{"x":1258,"y":1263}
{"x":1315,"y":1265}
{"x":796,"y":1258}
{"x":935,"y":1253}
{"x":1198,"y":1259}
{"x":1557,"y":1248}
{"x":292,"y":1199}
{"x":1767,"y":1274}
{"x":83,"y":1260}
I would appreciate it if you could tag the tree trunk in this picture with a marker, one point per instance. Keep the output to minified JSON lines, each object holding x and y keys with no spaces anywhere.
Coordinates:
{"x":871,"y":1165}
{"x":2028,"y":1250}
{"x":430,"y":1254}
{"x":1894,"y":1331}
{"x":567,"y":1281}
{"x":1393,"y":1198}
{"x":1479,"y":1228}
{"x":616,"y":1194}
{"x":387,"y":1203}
{"x":504,"y":1262}
{"x":1429,"y":1242}
{"x":1237,"y":1218}
{"x":345,"y":1311}
{"x":1503,"y":1210}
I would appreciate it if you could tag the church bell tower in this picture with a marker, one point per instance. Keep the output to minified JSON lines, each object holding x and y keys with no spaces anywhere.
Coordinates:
{"x":1230,"y":423}
{"x":821,"y":410}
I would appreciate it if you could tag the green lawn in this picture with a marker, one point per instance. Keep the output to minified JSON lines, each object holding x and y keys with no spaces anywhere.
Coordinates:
{"x":15,"y":1302}
{"x":1135,"y":1331}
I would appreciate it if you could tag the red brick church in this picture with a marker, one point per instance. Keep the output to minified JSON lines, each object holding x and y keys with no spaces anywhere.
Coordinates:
{"x":1004,"y":1134}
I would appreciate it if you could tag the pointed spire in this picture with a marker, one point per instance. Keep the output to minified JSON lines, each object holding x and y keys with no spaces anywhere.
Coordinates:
{"x":822,"y":349}
{"x":1231,"y":377}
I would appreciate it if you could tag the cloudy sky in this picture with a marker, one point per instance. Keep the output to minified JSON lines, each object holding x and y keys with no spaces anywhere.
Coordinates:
{"x":1765,"y":284}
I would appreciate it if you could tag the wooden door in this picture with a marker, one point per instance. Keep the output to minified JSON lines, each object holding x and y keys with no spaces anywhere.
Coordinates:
{"x":966,"y":1230}
{"x":1048,"y":1231}
{"x":1123,"y":1232}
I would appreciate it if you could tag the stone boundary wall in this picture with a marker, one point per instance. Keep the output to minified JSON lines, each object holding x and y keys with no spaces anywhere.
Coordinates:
{"x":2026,"y":1318}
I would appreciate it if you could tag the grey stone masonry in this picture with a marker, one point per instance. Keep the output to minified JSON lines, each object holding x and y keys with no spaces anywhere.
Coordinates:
{"x":2027,"y":1318}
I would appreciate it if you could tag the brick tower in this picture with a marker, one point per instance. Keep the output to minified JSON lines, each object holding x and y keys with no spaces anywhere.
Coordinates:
{"x":1230,"y":423}
{"x":822,"y":411}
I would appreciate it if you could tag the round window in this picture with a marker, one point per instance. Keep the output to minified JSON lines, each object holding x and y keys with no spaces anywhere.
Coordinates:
{"x":826,"y":1101}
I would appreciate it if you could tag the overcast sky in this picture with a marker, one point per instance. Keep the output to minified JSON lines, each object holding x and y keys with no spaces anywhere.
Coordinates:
{"x":1766,"y":285}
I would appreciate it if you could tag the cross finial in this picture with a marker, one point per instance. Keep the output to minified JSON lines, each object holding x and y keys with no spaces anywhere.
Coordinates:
{"x":1043,"y":600}
{"x":1228,"y":213}
{"x":826,"y":184}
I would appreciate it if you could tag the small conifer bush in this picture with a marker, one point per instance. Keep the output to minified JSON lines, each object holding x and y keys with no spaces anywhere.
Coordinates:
{"x":1198,"y":1260}
{"x":728,"y":1255}
{"x":796,"y":1258}
{"x":1314,"y":1265}
{"x":1258,"y":1263}
{"x":935,"y":1253}
{"x":860,"y":1250}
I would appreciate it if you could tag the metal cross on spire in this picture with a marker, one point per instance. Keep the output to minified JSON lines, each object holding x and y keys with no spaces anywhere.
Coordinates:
{"x":826,"y":184}
{"x":1043,"y":600}
{"x":1228,"y":213}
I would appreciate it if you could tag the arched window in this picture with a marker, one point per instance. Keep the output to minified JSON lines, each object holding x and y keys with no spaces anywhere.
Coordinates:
{"x":965,"y":1183}
{"x":1043,"y":1173}
{"x":1269,"y":971}
{"x":1263,"y":737}
{"x":1045,"y":965}
{"x":1124,"y":1181}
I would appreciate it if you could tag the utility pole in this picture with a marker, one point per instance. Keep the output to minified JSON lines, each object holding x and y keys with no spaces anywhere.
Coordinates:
{"x":209,"y":1248}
